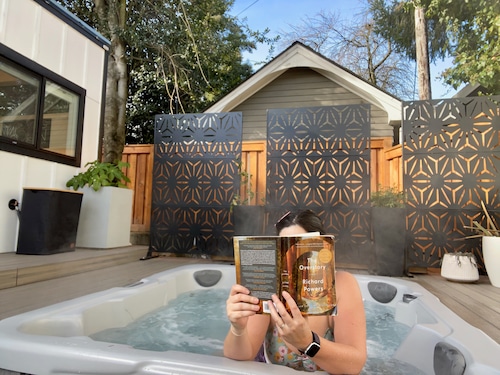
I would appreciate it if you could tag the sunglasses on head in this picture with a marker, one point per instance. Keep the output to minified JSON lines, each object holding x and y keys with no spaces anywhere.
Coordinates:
{"x":283,"y":218}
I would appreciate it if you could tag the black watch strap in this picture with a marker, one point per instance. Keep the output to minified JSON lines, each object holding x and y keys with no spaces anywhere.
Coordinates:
{"x":313,"y":347}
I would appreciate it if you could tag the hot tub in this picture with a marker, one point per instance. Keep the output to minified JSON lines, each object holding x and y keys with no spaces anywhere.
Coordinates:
{"x":55,"y":339}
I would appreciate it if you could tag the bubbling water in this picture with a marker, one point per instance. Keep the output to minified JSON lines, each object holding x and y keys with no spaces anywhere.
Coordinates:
{"x":196,"y":322}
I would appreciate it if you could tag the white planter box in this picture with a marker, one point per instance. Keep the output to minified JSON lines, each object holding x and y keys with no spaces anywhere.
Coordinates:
{"x":105,"y":218}
{"x":491,"y":256}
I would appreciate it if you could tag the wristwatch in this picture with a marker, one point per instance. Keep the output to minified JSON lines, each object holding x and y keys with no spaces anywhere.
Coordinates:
{"x":313,"y":347}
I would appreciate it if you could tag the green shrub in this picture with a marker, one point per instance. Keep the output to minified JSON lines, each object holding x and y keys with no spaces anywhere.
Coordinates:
{"x":388,"y":197}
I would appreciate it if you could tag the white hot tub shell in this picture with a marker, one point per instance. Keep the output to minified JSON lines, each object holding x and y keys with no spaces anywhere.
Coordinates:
{"x":55,"y":339}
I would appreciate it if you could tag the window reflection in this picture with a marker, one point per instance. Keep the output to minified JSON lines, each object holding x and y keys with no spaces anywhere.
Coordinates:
{"x":36,"y":113}
{"x":60,"y":119}
{"x":19,"y":94}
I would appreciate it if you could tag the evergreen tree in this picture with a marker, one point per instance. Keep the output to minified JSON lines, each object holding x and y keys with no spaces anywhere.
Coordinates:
{"x":468,"y":31}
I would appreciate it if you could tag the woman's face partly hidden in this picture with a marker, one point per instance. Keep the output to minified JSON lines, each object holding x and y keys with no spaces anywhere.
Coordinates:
{"x":292,"y":230}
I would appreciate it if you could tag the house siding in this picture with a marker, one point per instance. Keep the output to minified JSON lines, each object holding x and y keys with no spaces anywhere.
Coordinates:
{"x":33,"y":31}
{"x":302,"y":87}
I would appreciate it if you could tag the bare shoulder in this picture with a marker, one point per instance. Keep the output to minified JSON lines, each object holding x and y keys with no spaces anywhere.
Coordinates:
{"x":345,"y":277}
{"x":349,"y":299}
{"x":346,"y":283}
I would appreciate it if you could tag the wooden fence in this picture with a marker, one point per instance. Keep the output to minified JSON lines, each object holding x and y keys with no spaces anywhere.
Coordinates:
{"x":140,"y":172}
{"x":386,"y":170}
{"x":253,"y":162}
{"x":386,"y":164}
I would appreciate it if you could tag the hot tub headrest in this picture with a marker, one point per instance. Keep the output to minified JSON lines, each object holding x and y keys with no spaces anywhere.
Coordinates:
{"x":207,"y":278}
{"x":382,"y":292}
{"x":448,"y":360}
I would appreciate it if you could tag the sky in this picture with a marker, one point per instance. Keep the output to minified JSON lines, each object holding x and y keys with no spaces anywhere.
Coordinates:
{"x":278,"y":15}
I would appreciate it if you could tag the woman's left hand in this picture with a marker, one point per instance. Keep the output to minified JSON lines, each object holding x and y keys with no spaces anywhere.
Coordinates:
{"x":294,"y":328}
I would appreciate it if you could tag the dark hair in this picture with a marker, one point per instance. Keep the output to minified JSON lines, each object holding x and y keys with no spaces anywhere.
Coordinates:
{"x":307,"y":219}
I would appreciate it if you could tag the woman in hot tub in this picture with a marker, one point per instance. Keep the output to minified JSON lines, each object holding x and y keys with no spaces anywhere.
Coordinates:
{"x":335,"y":344}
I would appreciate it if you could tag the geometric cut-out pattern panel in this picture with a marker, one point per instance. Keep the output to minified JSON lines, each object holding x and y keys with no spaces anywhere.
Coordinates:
{"x":451,"y":161}
{"x":194,"y":179}
{"x":319,"y":158}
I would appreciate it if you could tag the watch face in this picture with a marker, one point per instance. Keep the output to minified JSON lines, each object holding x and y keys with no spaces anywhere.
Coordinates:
{"x":312,"y":349}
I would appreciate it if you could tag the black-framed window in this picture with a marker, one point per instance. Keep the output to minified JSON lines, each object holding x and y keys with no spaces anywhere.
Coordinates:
{"x":41,"y":113}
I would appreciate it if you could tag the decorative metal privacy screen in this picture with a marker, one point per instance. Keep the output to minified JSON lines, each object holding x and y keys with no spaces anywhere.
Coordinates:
{"x":319,"y":158}
{"x":194,"y":179}
{"x":451,"y":162}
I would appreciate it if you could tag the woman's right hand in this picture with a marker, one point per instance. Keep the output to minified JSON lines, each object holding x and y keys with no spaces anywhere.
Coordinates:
{"x":248,"y":329}
{"x":239,"y":306}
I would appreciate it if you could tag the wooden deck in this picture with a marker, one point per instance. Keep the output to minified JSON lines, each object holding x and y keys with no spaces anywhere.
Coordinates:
{"x":28,"y":282}
{"x":477,"y":303}
{"x":20,"y":269}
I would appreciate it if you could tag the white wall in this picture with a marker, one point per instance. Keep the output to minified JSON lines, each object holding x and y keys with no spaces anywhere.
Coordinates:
{"x":34,"y":32}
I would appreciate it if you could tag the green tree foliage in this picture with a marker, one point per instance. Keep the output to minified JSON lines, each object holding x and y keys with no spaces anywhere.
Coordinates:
{"x":468,"y":31}
{"x":474,"y":29}
{"x":181,"y":55}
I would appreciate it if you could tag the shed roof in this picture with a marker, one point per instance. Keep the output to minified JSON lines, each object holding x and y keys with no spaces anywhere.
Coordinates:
{"x":469,"y":90}
{"x":299,"y":55}
{"x":64,"y":14}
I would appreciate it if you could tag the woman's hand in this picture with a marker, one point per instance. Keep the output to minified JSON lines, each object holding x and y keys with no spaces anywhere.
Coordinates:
{"x":293,"y":328}
{"x":248,"y":329}
{"x":239,"y":306}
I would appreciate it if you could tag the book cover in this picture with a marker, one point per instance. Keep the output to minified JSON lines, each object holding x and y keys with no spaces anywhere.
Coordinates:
{"x":303,"y":265}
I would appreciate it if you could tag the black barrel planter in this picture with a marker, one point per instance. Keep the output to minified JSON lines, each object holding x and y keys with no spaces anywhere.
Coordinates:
{"x":389,"y":235}
{"x":48,"y":221}
{"x":249,"y":220}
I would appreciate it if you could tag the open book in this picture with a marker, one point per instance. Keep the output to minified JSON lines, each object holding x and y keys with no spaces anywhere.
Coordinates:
{"x":303,"y":265}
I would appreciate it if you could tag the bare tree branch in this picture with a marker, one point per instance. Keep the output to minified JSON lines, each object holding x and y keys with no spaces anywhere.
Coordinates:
{"x":354,"y":45}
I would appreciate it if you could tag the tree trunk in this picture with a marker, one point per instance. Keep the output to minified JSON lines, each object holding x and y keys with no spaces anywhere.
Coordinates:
{"x":422,"y":50}
{"x":113,"y":12}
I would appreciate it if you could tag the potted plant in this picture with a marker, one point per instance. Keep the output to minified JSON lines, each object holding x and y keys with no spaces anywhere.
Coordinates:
{"x":99,"y":174}
{"x":106,"y":213}
{"x":388,"y":215}
{"x":459,"y":266}
{"x":248,"y":218}
{"x":490,"y":237}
